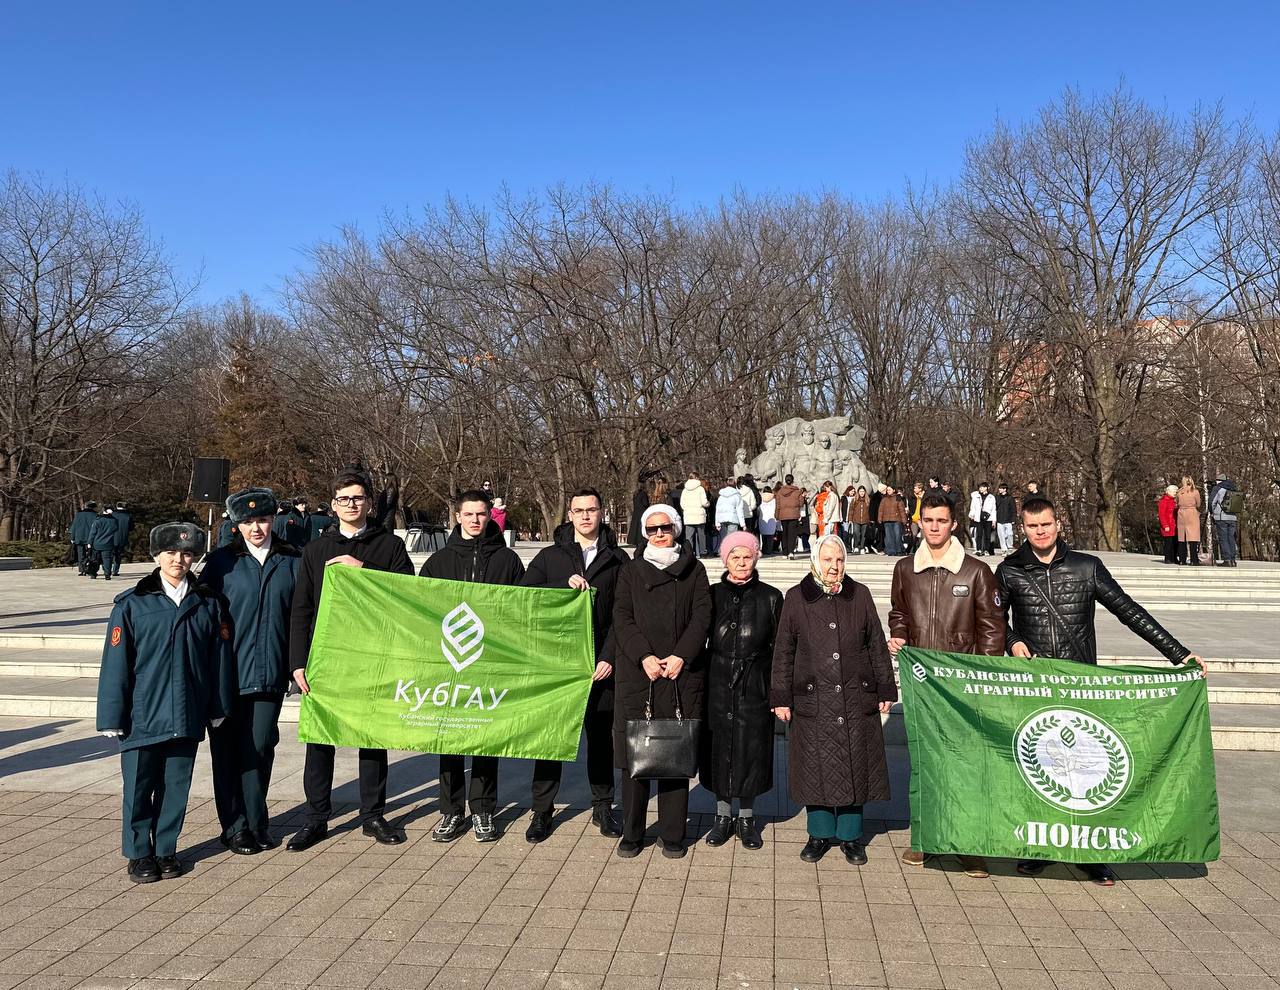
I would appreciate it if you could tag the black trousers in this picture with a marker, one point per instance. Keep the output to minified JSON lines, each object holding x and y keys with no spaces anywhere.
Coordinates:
{"x":1170,"y":549}
{"x":598,"y":727}
{"x":317,"y":782}
{"x":484,"y":784}
{"x":790,"y":534}
{"x":673,"y":809}
{"x":243,"y":751}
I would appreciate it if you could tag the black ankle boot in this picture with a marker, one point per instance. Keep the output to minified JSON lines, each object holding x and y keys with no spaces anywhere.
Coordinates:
{"x":720,"y":831}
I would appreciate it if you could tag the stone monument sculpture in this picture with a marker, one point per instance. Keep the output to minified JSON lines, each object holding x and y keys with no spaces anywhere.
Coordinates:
{"x":813,"y":451}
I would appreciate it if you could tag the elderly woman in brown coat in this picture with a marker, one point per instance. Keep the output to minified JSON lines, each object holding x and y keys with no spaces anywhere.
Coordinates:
{"x":1189,"y":504}
{"x":832,"y":680}
{"x":661,"y":614}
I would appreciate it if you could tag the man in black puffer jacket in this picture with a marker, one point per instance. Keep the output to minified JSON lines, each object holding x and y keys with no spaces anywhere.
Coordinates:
{"x":1050,"y":592}
{"x":475,"y":551}
{"x":585,"y":555}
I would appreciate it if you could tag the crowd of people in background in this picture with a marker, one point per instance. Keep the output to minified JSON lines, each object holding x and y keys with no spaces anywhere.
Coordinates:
{"x":787,"y":517}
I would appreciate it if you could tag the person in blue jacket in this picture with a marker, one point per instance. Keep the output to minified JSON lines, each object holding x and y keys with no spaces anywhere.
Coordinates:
{"x":124,"y":527}
{"x":256,"y":575}
{"x":166,"y":675}
{"x":226,"y":532}
{"x":102,"y":539}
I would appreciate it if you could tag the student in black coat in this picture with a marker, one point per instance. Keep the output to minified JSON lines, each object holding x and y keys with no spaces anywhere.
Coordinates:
{"x":660,"y":620}
{"x":585,"y":555}
{"x":475,"y":551}
{"x":354,"y":542}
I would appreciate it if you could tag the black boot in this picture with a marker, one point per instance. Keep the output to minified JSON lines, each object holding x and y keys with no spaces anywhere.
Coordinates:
{"x":539,"y":827}
{"x":854,"y":852}
{"x":720,"y":831}
{"x":603,"y":819}
{"x":814,"y":849}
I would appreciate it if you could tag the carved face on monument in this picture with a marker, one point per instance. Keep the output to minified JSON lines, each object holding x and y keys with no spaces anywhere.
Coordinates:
{"x":806,"y":435}
{"x":825,"y":440}
{"x":772,"y":441}
{"x":741,"y":454}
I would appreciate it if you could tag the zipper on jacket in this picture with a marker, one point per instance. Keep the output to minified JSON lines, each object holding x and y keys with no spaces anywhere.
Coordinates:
{"x":1053,"y":629}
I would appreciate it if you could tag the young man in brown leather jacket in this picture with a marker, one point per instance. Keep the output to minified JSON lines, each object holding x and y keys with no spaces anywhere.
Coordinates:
{"x":944,"y":599}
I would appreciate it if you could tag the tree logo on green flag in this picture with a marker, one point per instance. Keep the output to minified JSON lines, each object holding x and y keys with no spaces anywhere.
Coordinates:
{"x":463,"y":630}
{"x":1072,"y":760}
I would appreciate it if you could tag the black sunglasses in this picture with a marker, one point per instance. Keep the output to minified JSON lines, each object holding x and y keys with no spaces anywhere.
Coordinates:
{"x":661,"y":528}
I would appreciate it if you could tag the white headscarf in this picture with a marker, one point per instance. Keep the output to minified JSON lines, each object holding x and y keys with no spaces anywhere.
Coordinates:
{"x":661,"y":557}
{"x":814,"y":550}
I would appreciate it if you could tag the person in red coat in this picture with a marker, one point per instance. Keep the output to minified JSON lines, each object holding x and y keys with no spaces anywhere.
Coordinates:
{"x":1168,"y":509}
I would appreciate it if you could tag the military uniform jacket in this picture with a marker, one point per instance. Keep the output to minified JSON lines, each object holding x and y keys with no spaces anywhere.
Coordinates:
{"x":81,"y":524}
{"x":166,"y":669}
{"x":261,"y":601}
{"x":103,"y":534}
{"x":124,"y":525}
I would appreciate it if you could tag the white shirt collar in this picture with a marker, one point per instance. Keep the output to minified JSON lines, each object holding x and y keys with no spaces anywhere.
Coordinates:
{"x":259,"y":553}
{"x":175,"y":594}
{"x":342,"y":528}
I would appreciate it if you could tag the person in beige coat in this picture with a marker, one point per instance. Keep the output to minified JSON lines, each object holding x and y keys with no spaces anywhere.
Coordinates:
{"x":1189,"y":504}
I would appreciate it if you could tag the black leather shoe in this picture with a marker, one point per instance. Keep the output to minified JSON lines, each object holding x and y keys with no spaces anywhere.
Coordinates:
{"x":307,"y":837}
{"x":673,"y":850}
{"x":539,"y":826}
{"x":602,"y":818}
{"x":144,"y":870}
{"x":720,"y":831}
{"x":265,"y":840}
{"x":381,"y":830}
{"x":628,"y":849}
{"x":170,"y":867}
{"x":814,"y":849}
{"x":242,"y":843}
{"x":854,"y":852}
{"x":749,"y":834}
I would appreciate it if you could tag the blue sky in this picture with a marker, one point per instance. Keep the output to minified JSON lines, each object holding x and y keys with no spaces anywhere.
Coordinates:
{"x":247,"y":132}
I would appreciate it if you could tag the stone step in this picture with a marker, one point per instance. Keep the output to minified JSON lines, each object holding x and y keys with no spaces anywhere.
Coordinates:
{"x":1250,"y":727}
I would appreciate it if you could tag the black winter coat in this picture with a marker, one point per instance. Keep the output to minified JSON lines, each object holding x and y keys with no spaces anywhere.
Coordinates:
{"x":639,"y":502}
{"x":1073,"y":582}
{"x":831,"y":668}
{"x":486,"y":560}
{"x":1006,"y":509}
{"x":552,"y":568}
{"x":663,"y":613}
{"x":737,"y":758}
{"x":375,"y":548}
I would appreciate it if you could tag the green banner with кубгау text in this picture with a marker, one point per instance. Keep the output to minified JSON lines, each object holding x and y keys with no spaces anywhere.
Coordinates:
{"x":1052,"y":759}
{"x":403,"y":662}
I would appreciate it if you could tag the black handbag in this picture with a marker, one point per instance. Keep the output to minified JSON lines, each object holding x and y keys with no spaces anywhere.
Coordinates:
{"x":663,"y":748}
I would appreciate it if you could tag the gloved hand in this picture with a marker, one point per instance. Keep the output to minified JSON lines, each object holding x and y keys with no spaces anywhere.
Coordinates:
{"x":217,"y":722}
{"x":113,"y":733}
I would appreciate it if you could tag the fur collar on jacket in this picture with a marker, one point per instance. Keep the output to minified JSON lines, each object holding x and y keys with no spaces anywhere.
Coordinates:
{"x":952,"y":560}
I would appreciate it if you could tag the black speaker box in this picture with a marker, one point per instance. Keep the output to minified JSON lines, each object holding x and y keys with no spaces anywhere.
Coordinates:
{"x":210,"y":477}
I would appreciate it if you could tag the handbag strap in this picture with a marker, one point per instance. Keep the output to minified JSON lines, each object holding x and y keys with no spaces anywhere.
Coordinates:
{"x":648,"y":705}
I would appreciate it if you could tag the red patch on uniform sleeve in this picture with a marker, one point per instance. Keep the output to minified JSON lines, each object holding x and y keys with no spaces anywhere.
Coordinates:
{"x":115,"y":636}
{"x":226,"y":631}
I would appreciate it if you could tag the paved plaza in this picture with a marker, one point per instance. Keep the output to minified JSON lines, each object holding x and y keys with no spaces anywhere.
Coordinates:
{"x":568,"y":913}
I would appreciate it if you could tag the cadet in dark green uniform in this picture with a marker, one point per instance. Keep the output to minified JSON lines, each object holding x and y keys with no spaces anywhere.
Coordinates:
{"x":124,"y":527}
{"x":80,"y":527}
{"x":256,"y":575}
{"x":103,"y":535}
{"x":166,"y":674}
{"x":226,"y":532}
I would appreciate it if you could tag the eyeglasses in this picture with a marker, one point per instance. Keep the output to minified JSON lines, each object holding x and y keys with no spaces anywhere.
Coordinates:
{"x":345,"y":500}
{"x":661,"y":528}
{"x":584,"y":512}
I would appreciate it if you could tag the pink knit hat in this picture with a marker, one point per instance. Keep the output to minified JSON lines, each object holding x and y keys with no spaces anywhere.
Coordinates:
{"x":738,"y":539}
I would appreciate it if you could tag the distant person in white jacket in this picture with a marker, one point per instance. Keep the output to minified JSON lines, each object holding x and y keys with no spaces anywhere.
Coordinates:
{"x":693,"y":507}
{"x":982,"y":518}
{"x":768,"y":522}
{"x":730,"y":516}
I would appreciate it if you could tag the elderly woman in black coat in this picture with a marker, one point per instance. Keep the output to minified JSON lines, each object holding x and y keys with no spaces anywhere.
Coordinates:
{"x":832,"y":679}
{"x":661,"y":614}
{"x":738,"y":755}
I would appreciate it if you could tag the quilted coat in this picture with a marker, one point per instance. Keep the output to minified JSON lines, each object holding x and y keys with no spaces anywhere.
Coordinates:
{"x":831,"y":668}
{"x":738,"y":752}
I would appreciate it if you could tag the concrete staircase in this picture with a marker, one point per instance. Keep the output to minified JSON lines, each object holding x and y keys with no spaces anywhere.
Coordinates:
{"x":53,"y":674}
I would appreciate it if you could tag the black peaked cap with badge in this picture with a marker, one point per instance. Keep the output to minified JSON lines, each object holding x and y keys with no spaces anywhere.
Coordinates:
{"x":251,"y":502}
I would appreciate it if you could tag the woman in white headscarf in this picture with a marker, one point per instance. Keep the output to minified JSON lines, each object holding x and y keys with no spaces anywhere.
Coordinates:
{"x":661,"y":614}
{"x":832,"y":680}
